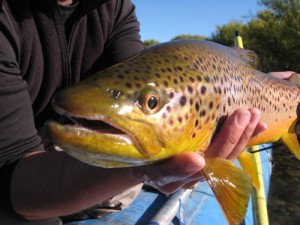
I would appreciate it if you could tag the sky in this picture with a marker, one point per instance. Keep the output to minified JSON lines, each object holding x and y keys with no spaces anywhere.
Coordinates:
{"x":162,"y":20}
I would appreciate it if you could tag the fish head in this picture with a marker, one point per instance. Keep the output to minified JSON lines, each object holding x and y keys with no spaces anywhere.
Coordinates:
{"x":137,"y":112}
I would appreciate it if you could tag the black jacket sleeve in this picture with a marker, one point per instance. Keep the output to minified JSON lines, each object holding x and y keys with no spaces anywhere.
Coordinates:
{"x":124,"y":40}
{"x":17,"y":129}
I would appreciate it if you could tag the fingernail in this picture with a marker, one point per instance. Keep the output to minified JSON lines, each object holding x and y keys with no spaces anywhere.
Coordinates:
{"x":256,"y":118}
{"x":243,"y":118}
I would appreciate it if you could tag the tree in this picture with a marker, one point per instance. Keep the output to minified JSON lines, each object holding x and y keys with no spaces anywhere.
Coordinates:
{"x":150,"y":42}
{"x":274,"y":34}
{"x":189,"y":36}
{"x":225,"y":33}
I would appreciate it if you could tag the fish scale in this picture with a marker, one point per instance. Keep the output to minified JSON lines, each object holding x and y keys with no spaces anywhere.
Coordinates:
{"x":169,"y":99}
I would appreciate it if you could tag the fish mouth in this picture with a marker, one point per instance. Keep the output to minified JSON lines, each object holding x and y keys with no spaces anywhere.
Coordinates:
{"x":95,"y":126}
{"x":99,"y":124}
{"x":97,"y":140}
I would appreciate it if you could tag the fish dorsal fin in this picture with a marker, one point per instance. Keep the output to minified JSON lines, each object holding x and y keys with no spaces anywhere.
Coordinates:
{"x":231,"y":186}
{"x":295,"y":79}
{"x":248,"y":164}
{"x":291,"y":141}
{"x":247,"y":56}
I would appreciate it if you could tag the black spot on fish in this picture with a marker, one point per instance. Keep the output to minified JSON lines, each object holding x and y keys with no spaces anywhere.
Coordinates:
{"x":215,"y":89}
{"x":197,"y":106}
{"x":192,"y":79}
{"x":157,"y":75}
{"x":196,"y":123}
{"x":190,"y":89}
{"x":120,"y":76}
{"x":182,"y":101}
{"x":169,"y":109}
{"x":179,"y":119}
{"x":180,"y":68}
{"x":186,"y":116}
{"x":207,"y":79}
{"x":181,"y":79}
{"x":229,"y":101}
{"x":203,"y":89}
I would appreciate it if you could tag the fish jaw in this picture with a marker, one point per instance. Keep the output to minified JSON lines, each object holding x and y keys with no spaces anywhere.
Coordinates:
{"x":99,"y":104}
{"x":98,"y":149}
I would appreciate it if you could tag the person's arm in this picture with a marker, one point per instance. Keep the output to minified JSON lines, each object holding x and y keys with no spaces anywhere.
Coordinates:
{"x":124,"y":40}
{"x":49,"y":184}
{"x":53,"y":184}
{"x":43,"y":184}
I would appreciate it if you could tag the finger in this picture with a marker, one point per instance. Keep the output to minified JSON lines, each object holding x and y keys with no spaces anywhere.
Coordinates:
{"x":181,"y":166}
{"x":174,"y":169}
{"x":247,"y":134}
{"x":228,"y":136}
{"x":261,"y":126}
{"x":282,"y":74}
{"x":188,"y":182}
{"x":174,"y":186}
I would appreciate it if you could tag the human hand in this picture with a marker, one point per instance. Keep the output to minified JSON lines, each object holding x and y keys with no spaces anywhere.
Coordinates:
{"x":282,"y":74}
{"x":184,"y":170}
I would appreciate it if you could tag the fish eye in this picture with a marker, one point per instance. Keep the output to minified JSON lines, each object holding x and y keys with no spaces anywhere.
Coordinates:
{"x":149,"y":101}
{"x":152,"y":102}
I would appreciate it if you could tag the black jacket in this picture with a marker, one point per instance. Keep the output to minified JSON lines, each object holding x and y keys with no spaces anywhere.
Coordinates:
{"x":40,"y":55}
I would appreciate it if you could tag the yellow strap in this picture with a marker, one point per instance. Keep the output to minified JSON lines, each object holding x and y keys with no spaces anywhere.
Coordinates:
{"x":259,"y":203}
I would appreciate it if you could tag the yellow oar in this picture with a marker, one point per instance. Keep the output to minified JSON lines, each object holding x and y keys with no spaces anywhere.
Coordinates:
{"x":259,"y":203}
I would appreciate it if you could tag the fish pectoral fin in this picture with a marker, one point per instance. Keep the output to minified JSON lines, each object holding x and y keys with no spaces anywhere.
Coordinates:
{"x":231,"y":186}
{"x":248,"y":164}
{"x":291,"y":141}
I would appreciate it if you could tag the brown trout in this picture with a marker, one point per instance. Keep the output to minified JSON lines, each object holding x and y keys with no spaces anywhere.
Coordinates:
{"x":169,"y":99}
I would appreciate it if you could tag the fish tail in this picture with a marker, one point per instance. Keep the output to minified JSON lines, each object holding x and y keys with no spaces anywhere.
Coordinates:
{"x":231,"y":186}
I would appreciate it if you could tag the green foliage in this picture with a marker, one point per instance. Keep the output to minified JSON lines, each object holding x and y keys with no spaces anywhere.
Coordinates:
{"x":150,"y":42}
{"x":274,"y":34}
{"x":225,"y":33}
{"x":189,"y":36}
